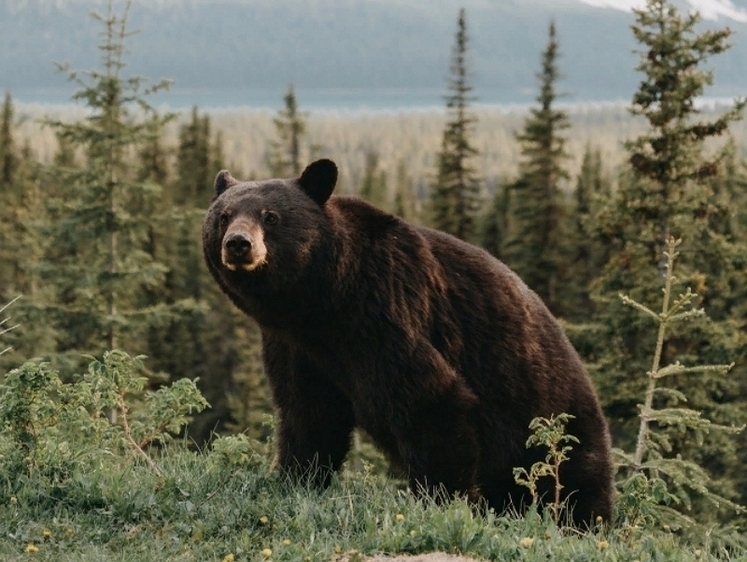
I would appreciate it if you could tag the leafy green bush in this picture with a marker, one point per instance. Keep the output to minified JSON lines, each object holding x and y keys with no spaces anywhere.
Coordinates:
{"x":54,"y":428}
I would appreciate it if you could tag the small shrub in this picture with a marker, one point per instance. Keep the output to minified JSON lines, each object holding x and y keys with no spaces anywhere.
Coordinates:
{"x":549,"y":433}
{"x":52,"y":429}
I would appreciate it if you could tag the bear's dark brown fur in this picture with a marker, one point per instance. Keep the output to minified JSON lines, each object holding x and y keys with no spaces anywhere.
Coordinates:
{"x":432,"y":346}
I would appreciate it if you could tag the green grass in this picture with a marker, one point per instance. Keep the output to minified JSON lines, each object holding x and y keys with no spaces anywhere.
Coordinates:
{"x":203,"y":508}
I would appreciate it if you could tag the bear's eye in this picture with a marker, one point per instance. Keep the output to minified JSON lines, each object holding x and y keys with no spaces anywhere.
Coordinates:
{"x":223,"y":219}
{"x":270,"y":218}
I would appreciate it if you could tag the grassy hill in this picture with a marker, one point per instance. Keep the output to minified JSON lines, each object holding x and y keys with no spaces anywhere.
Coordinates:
{"x":76,"y":487}
{"x":211,"y":507}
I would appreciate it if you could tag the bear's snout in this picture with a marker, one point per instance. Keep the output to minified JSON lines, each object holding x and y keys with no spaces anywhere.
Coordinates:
{"x":238,"y":246}
{"x":243,"y":246}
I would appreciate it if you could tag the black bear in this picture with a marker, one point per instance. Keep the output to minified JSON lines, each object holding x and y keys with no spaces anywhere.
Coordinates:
{"x":431,"y":345}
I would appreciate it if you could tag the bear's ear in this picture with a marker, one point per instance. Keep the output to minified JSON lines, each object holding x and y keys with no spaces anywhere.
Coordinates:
{"x":223,"y":181}
{"x":318,"y":180}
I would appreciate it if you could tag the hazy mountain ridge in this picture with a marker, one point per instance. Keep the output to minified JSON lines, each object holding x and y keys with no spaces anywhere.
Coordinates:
{"x":709,"y":9}
{"x":340,"y":44}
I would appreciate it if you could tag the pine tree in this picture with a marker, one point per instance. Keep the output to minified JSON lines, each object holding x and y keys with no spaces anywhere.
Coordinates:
{"x":670,"y":160}
{"x":668,"y":192}
{"x":8,"y":156}
{"x":195,"y":168}
{"x":455,"y":193}
{"x":153,"y":156}
{"x":373,"y":186}
{"x":405,"y":203}
{"x":496,"y":222}
{"x":587,"y":252}
{"x":536,"y":249}
{"x":9,"y":197}
{"x":31,"y":217}
{"x":23,"y":220}
{"x":99,"y":246}
{"x":290,"y":126}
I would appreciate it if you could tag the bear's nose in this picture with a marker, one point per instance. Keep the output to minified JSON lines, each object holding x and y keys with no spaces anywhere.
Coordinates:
{"x":238,"y":245}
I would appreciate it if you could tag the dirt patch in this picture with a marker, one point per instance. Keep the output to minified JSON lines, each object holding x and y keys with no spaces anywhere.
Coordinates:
{"x":430,"y":557}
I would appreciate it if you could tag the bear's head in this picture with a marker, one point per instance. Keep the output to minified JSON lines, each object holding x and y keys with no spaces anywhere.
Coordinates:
{"x":266,"y":232}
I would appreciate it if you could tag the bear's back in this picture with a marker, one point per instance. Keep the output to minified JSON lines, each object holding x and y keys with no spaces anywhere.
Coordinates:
{"x":469,"y":291}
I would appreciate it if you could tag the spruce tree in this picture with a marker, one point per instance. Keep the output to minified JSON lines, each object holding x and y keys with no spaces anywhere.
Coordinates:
{"x":670,"y":160}
{"x":24,"y":220}
{"x":99,"y":245}
{"x":455,"y":192}
{"x":373,"y":186}
{"x":31,"y":219}
{"x":153,"y":156}
{"x":587,"y":252}
{"x":669,"y":192}
{"x":9,"y":198}
{"x":496,"y":221}
{"x":536,"y":248}
{"x":8,"y":156}
{"x":290,"y":126}
{"x":405,"y":203}
{"x":195,"y":168}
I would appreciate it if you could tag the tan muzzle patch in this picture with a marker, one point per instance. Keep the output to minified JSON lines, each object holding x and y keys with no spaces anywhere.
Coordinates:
{"x":253,"y":252}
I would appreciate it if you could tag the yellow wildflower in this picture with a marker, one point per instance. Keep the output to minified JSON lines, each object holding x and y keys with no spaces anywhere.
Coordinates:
{"x":399,"y":517}
{"x":603,"y":544}
{"x":267,"y":552}
{"x":46,"y":533}
{"x":228,"y":558}
{"x":264,"y":520}
{"x":526,"y":542}
{"x":31,"y":549}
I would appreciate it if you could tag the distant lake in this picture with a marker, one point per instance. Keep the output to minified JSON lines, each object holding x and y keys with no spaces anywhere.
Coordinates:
{"x":331,"y":100}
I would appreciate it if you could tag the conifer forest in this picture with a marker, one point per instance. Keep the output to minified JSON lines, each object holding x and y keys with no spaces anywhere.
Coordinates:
{"x":629,"y":222}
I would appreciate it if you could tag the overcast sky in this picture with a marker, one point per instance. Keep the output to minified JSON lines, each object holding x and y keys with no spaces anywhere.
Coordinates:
{"x":710,"y":9}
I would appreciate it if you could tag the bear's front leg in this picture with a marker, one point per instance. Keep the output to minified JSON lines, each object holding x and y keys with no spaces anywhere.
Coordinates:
{"x":314,"y":419}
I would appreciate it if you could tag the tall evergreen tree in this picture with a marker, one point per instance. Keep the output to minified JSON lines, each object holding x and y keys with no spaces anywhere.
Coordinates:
{"x":536,"y":249}
{"x":8,"y":201}
{"x":102,"y":266}
{"x":455,"y":192}
{"x":153,"y":156}
{"x":290,"y":125}
{"x":195,"y":169}
{"x":373,"y":186}
{"x":587,"y":252}
{"x":670,"y":160}
{"x":496,"y":222}
{"x":669,"y":192}
{"x":405,"y":203}
{"x":8,"y":156}
{"x":24,"y":221}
